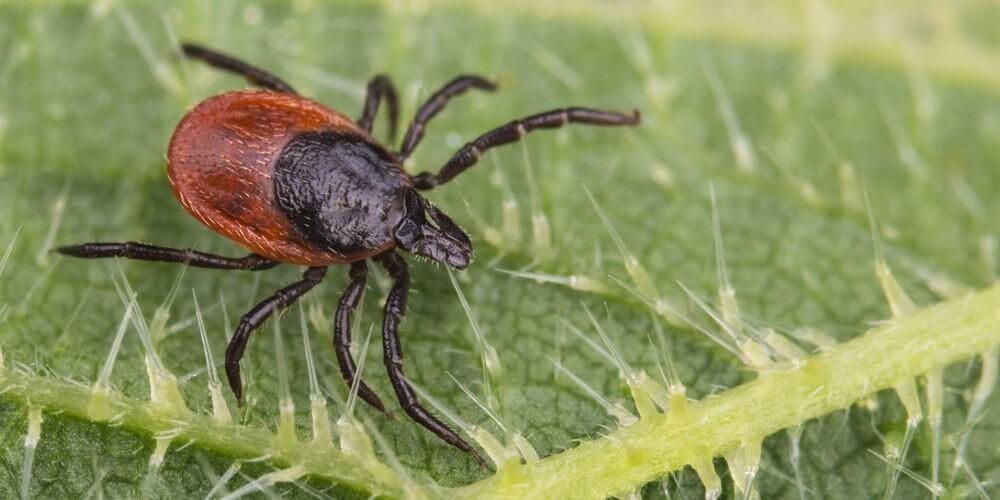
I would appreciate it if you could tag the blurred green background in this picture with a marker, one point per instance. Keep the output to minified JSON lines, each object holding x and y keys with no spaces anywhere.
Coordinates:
{"x":791,"y":110}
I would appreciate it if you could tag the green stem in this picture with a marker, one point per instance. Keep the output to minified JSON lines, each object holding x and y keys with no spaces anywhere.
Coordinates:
{"x":232,"y":440}
{"x":887,"y":355}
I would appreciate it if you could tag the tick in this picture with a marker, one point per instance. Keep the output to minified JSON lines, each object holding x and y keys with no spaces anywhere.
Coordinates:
{"x":296,"y":182}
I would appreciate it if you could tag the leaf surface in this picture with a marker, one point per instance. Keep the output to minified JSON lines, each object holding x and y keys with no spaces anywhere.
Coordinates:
{"x":792,"y":114}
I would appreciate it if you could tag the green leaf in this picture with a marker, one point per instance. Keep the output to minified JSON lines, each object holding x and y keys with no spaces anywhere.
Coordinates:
{"x":596,"y":250}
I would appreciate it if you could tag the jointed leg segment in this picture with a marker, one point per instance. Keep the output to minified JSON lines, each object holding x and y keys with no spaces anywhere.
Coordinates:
{"x":342,"y":333}
{"x":226,"y":62}
{"x":434,"y":104}
{"x":395,"y":308}
{"x":142,"y":251}
{"x":378,"y":88}
{"x":470,"y":153}
{"x":252,"y":320}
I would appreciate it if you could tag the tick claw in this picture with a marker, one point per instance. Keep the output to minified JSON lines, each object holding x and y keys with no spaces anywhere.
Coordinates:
{"x":482,"y":463}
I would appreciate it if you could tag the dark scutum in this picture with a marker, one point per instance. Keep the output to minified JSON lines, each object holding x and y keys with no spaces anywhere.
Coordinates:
{"x":345,"y":194}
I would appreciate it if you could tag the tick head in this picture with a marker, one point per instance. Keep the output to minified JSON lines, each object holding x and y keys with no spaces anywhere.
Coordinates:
{"x":438,"y":238}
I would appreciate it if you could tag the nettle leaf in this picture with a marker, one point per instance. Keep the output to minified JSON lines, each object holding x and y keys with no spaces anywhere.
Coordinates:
{"x":782,"y":278}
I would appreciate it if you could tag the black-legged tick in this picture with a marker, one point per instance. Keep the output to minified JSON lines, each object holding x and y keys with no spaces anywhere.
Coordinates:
{"x":296,"y":182}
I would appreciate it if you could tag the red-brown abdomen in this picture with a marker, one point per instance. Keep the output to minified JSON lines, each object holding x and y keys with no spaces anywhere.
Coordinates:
{"x":221,"y":164}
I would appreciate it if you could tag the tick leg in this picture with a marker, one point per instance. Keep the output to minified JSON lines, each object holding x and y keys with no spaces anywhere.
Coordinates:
{"x":142,"y":251}
{"x":395,"y":308}
{"x":470,"y":153}
{"x":225,"y":62}
{"x":435,"y":104}
{"x":380,"y":88}
{"x":342,"y":333}
{"x":257,"y":316}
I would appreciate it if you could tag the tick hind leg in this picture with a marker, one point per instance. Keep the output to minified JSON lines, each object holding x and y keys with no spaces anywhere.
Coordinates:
{"x":142,"y":251}
{"x":229,"y":63}
{"x":470,"y":153}
{"x":252,"y":320}
{"x":434,"y":105}
{"x":380,"y":88}
{"x":395,"y":308}
{"x":342,"y":333}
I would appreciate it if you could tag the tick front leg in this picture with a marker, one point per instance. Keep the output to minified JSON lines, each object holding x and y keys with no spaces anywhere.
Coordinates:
{"x":512,"y":132}
{"x":252,"y":320}
{"x":142,"y":251}
{"x":342,"y":334}
{"x":395,"y":308}
{"x":380,"y":88}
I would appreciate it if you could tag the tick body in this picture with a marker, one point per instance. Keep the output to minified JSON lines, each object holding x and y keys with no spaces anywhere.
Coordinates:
{"x":287,"y":178}
{"x":295,"y":182}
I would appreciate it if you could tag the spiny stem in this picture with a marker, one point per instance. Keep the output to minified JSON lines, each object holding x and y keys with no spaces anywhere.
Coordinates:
{"x":57,"y":396}
{"x":893,"y":352}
